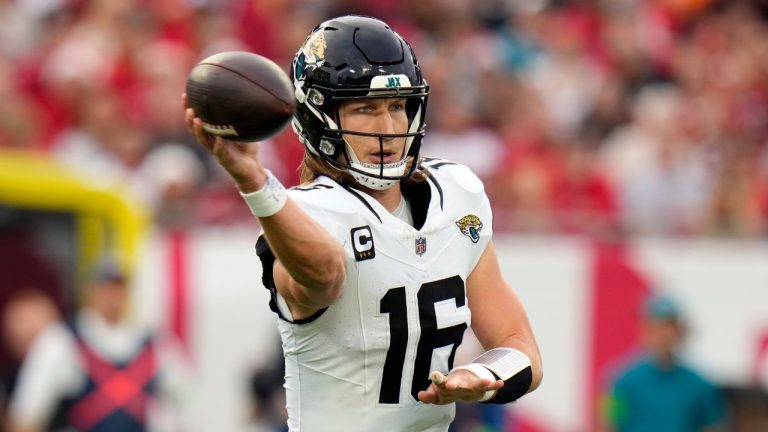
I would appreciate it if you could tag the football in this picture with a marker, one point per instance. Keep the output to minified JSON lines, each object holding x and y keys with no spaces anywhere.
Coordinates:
{"x":241,"y":96}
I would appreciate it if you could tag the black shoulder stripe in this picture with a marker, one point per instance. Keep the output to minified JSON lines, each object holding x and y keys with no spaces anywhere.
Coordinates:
{"x":437,"y":186}
{"x":439,"y":164}
{"x":432,"y":162}
{"x":309,"y":188}
{"x":362,"y":200}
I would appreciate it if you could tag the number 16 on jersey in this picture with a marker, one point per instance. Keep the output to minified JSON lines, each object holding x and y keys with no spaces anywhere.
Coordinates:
{"x":394,"y":304}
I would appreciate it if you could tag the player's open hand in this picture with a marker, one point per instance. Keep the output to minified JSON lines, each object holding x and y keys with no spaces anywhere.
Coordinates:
{"x":460,"y":385}
{"x":240,"y":161}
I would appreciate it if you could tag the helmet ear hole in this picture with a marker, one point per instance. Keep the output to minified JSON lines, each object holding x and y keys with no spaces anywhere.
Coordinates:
{"x":331,"y":150}
{"x":316,"y":97}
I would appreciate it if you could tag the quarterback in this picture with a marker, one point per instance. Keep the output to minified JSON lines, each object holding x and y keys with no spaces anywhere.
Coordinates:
{"x":379,"y":261}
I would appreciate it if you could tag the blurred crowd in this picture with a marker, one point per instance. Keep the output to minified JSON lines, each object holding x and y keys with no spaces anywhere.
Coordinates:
{"x":596,"y":117}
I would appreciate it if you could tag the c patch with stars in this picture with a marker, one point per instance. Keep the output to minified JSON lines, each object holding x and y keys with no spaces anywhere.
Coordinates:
{"x":362,"y":243}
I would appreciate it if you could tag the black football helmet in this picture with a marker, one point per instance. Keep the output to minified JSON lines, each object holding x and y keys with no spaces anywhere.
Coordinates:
{"x":357,"y":57}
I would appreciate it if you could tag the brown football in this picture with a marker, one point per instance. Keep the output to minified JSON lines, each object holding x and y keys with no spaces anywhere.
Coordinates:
{"x":241,"y":96}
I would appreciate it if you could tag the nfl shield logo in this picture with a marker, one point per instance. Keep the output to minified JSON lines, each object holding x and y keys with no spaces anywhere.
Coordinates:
{"x":421,"y":246}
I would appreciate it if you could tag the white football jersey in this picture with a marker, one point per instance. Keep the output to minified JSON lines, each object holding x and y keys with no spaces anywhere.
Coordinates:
{"x":359,"y":364}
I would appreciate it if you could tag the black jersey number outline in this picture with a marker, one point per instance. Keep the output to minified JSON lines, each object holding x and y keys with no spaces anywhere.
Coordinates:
{"x":394,"y":304}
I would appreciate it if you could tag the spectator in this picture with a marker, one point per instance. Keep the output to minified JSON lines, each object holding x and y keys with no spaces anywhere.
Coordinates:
{"x":659,"y":392}
{"x":98,"y":371}
{"x":584,"y":201}
{"x":26,"y":313}
{"x":268,"y":395}
{"x":661,"y":177}
{"x":735,"y":202}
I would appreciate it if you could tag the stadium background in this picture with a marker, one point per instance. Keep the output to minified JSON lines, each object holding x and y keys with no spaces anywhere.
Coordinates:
{"x":623,"y":143}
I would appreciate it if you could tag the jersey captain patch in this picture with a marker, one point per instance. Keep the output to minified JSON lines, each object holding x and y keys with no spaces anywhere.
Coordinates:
{"x":470,"y":225}
{"x":362,"y":243}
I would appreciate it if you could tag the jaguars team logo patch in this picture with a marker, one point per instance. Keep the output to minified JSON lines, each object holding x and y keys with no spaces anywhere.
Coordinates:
{"x":470,"y":225}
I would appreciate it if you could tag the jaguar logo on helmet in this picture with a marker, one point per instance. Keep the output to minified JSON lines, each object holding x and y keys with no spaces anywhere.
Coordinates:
{"x":315,"y":47}
{"x":470,"y":225}
{"x":312,"y":52}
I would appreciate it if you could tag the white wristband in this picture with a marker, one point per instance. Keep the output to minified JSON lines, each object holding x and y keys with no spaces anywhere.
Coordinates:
{"x":481,"y":372}
{"x":268,"y":200}
{"x":504,"y":362}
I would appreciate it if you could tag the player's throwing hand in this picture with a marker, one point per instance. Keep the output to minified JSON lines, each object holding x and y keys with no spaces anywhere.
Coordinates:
{"x":240,"y":161}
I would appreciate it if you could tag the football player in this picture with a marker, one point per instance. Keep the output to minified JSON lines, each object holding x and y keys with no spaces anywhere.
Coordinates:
{"x":381,"y":259}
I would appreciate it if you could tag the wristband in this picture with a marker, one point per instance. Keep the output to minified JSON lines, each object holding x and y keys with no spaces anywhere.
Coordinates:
{"x":268,"y":200}
{"x":514,"y":388}
{"x":503,"y":362}
{"x":511,"y":366}
{"x":481,"y":372}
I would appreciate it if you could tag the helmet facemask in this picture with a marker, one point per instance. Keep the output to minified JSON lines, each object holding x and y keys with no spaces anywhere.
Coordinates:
{"x":337,"y":152}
